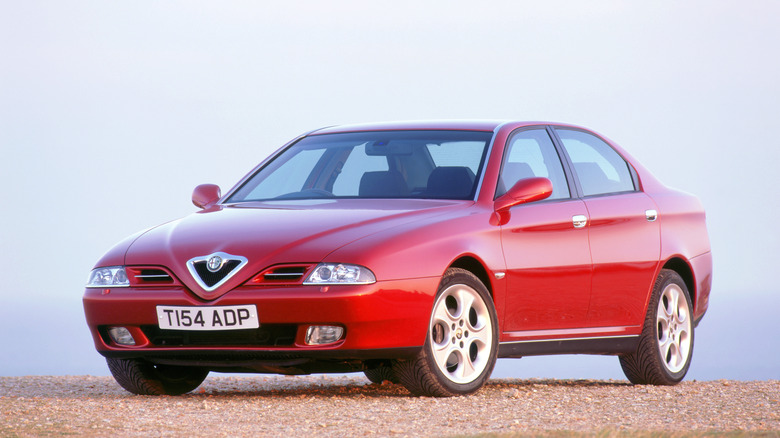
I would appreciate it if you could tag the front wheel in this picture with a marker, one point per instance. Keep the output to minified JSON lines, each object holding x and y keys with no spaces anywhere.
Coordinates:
{"x":144,"y":378}
{"x":380,"y":374}
{"x":461,"y":346}
{"x":666,"y":343}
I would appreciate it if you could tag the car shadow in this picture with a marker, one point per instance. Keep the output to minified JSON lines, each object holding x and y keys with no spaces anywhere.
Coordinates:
{"x":524,"y":383}
{"x":353,"y":388}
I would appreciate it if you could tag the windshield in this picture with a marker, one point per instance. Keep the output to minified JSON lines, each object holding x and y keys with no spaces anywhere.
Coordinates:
{"x":384,"y":164}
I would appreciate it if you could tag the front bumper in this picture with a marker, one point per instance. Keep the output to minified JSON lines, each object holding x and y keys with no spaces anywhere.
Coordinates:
{"x":385,"y":320}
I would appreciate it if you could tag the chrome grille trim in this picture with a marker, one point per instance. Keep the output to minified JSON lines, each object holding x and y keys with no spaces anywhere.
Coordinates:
{"x":152,"y":276}
{"x":285,"y":273}
{"x":226,"y":272}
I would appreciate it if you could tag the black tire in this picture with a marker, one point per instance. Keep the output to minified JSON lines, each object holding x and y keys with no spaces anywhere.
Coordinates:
{"x":466,"y":340}
{"x":380,"y":374}
{"x":666,"y":343}
{"x":144,"y":378}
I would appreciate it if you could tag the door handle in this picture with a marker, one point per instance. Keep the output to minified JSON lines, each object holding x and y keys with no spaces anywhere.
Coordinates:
{"x":651,"y":215}
{"x":579,"y":220}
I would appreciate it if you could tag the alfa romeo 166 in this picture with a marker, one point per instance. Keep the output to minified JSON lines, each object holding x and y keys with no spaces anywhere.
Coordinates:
{"x":416,"y":253}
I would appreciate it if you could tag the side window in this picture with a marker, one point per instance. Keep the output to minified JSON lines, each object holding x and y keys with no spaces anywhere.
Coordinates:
{"x":531,"y":154}
{"x":599,"y":168}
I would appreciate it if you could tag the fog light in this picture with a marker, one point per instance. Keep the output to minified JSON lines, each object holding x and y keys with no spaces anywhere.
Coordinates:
{"x":323,"y":334}
{"x":121,"y":336}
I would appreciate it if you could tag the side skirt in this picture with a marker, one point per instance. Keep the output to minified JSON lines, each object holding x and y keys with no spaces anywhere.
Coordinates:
{"x":611,"y":345}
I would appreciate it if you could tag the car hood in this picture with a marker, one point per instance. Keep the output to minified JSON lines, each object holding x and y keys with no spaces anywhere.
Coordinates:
{"x":270,"y":233}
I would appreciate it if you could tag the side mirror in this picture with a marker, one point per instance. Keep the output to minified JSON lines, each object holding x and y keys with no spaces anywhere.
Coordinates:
{"x":525,"y":190}
{"x":206,"y":195}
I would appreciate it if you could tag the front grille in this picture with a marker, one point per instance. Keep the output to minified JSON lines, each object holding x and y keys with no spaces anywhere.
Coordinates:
{"x":227,"y":357}
{"x":149,"y":276}
{"x":285,"y":273}
{"x":270,"y":335}
{"x":211,"y":278}
{"x":281,"y":275}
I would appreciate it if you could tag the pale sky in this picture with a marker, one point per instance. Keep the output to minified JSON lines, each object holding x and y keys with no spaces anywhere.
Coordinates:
{"x":112,"y":112}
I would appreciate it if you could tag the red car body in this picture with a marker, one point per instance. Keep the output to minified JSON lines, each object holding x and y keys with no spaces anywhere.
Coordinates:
{"x":556,"y":288}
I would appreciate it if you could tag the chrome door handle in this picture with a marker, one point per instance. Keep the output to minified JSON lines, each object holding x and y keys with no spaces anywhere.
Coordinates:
{"x":651,"y":215}
{"x":579,"y":220}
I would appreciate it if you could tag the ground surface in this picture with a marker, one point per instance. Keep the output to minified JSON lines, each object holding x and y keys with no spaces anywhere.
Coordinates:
{"x":349,"y":406}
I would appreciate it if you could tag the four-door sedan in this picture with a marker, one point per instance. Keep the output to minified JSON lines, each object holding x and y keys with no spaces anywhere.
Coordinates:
{"x":413,"y":252}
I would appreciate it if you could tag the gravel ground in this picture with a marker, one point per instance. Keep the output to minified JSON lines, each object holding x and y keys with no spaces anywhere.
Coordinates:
{"x":340,"y":406}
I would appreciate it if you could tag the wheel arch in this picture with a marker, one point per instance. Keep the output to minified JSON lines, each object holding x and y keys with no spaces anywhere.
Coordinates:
{"x":476,"y":267}
{"x":681,"y":267}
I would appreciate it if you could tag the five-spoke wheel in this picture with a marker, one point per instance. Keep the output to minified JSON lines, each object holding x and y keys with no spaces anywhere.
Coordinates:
{"x":460,"y":350}
{"x":675,"y":332}
{"x":461,"y":333}
{"x":666,"y":344}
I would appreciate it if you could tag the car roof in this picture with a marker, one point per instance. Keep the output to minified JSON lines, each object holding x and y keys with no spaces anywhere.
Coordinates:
{"x":445,"y":125}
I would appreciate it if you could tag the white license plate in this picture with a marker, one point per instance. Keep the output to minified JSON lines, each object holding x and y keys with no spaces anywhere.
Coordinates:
{"x":208,"y":318}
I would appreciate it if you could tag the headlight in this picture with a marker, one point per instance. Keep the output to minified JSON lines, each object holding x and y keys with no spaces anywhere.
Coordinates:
{"x":337,"y":273}
{"x":111,"y":276}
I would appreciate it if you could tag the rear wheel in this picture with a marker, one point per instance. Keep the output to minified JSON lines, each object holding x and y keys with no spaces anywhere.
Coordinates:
{"x":461,"y":346}
{"x":144,"y":378}
{"x":666,"y":344}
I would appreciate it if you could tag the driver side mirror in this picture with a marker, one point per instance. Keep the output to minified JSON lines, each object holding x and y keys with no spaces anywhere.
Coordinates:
{"x":206,"y":195}
{"x":524,"y":191}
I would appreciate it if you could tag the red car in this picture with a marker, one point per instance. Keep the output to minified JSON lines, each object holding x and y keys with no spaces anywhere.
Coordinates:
{"x":413,"y":252}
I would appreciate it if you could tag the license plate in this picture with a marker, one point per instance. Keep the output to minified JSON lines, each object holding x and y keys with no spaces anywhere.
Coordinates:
{"x":208,"y":318}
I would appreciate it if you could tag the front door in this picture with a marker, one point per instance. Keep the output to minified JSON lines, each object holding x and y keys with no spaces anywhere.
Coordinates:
{"x":547,"y":256}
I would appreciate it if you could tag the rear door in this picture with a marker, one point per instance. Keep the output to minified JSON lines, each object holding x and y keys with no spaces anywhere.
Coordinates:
{"x":624,"y":231}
